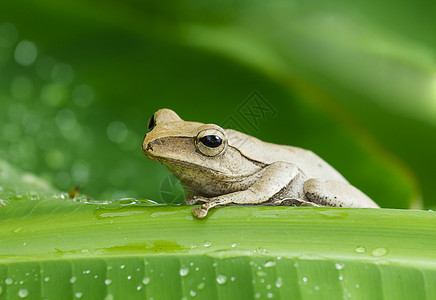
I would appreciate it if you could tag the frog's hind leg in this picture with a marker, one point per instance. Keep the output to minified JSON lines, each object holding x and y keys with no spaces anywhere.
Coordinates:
{"x":336,"y":193}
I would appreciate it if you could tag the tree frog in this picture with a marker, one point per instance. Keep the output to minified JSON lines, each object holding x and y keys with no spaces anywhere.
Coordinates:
{"x":219,"y":167}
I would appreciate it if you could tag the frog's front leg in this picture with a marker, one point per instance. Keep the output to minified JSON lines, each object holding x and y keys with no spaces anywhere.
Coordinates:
{"x":273,"y":179}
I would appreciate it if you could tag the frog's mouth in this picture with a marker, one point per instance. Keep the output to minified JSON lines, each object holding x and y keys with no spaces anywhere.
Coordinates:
{"x":182,"y":169}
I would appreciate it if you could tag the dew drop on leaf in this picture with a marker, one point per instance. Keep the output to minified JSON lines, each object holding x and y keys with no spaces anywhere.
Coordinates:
{"x":184,"y":272}
{"x":23,"y":293}
{"x":360,"y":249}
{"x":221,"y":279}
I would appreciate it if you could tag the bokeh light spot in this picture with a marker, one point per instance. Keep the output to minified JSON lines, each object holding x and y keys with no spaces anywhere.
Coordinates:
{"x":31,"y":123}
{"x":8,"y":35}
{"x":62,"y":74}
{"x":25,"y":53}
{"x":80,"y":172}
{"x":117,"y":131}
{"x":83,"y":95}
{"x":55,"y":159}
{"x":65,"y":119}
{"x":53,"y":95}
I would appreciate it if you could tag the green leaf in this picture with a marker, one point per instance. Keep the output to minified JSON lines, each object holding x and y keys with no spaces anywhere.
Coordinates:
{"x":62,"y":247}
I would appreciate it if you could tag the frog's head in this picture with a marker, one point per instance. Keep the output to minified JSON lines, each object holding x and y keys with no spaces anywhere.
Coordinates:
{"x":198,"y":154}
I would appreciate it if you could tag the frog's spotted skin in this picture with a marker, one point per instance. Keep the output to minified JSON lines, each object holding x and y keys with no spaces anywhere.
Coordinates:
{"x":223,"y":167}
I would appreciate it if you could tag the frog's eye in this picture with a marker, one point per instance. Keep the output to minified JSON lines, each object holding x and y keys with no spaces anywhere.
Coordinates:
{"x":152,"y":122}
{"x":211,"y":142}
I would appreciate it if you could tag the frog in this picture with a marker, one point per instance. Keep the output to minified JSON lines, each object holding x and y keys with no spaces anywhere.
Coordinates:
{"x":221,"y":167}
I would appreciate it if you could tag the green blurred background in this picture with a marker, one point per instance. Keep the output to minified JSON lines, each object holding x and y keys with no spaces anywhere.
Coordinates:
{"x":353,"y":81}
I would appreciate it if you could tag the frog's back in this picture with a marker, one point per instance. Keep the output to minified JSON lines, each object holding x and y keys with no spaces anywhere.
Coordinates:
{"x":267,"y":153}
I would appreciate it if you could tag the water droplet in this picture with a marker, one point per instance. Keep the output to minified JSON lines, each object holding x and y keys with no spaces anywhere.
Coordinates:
{"x":184,"y":272}
{"x":192,"y":293}
{"x":146,"y":280}
{"x":232,"y":278}
{"x":261,"y":273}
{"x":304,"y":279}
{"x":18,"y":229}
{"x":129,"y":277}
{"x":317,"y":288}
{"x":270,"y":295}
{"x":9,"y":281}
{"x":360,"y":249}
{"x":25,"y":53}
{"x":268,"y":286}
{"x":234,"y":245}
{"x":341,"y":277}
{"x":257,"y":295}
{"x":221,"y":279}
{"x":339,"y":266}
{"x":109,"y":297}
{"x":23,"y":293}
{"x":379,"y":251}
{"x":122,"y":266}
{"x":73,"y":279}
{"x":46,"y":279}
{"x":108,"y":281}
{"x":139,"y":287}
{"x":260,"y":250}
{"x":201,"y":285}
{"x":269,"y":264}
{"x":357,"y":286}
{"x":279,"y":282}
{"x":86,"y":271}
{"x":207,"y":244}
{"x":78,"y":295}
{"x":117,"y":132}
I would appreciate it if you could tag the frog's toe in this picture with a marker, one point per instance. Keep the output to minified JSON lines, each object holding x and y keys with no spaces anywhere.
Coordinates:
{"x":199,"y":212}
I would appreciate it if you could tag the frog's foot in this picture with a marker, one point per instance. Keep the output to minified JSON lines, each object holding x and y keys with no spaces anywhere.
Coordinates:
{"x":200,"y":212}
{"x":195,"y":200}
{"x":293,"y":202}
